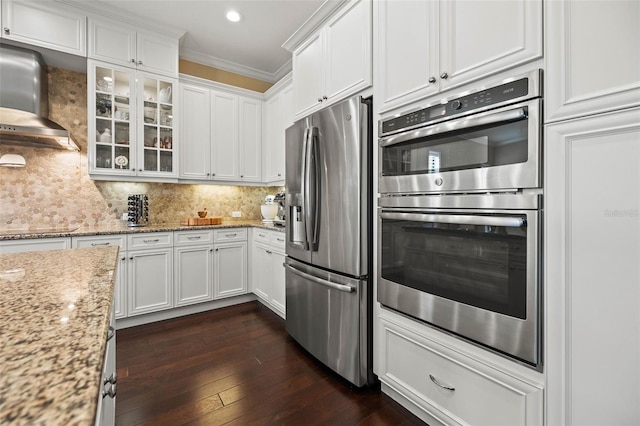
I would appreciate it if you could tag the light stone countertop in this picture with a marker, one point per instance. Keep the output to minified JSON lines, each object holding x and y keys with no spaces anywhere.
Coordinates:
{"x":54,"y":319}
{"x":123,"y":229}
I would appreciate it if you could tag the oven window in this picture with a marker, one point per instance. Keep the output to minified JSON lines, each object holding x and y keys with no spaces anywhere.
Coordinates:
{"x":478,"y":265}
{"x":493,"y":145}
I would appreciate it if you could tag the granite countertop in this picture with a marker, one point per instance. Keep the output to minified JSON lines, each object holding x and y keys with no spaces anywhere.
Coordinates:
{"x":54,"y":319}
{"x":123,"y":229}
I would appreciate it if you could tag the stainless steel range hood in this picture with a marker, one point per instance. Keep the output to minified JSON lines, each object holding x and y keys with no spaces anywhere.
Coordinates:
{"x":24,"y":102}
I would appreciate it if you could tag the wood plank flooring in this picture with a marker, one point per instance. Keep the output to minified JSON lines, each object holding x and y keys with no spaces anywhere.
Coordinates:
{"x":236,"y":366}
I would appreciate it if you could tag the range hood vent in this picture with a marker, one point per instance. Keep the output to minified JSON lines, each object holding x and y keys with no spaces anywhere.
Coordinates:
{"x":24,"y":102}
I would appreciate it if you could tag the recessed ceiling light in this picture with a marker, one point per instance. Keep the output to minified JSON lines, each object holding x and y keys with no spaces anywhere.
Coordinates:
{"x":233,"y":16}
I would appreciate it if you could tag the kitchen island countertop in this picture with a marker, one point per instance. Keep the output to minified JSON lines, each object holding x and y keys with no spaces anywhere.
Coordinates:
{"x":123,"y":229}
{"x":54,"y":319}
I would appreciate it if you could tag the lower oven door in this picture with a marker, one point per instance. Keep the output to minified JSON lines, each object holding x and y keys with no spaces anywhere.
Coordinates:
{"x":472,"y":273}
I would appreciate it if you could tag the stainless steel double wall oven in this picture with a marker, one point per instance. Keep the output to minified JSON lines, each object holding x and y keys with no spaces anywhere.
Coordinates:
{"x":460,"y":216}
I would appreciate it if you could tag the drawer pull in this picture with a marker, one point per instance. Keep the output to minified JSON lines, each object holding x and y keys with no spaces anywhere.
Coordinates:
{"x":111,"y":333}
{"x":100,"y":244}
{"x":230,"y":235}
{"x":269,"y":252}
{"x":194,"y":237}
{"x":280,"y":239}
{"x":111,"y":392}
{"x":433,"y":379}
{"x":113,"y":379}
{"x":151,"y":241}
{"x":261,"y":235}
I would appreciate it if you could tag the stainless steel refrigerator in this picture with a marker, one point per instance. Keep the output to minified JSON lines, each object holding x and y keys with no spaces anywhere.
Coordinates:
{"x":328,"y":211}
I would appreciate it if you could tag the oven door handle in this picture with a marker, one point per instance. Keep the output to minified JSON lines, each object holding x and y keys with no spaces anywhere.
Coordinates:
{"x":462,"y":123}
{"x":335,"y":286}
{"x":512,"y":222}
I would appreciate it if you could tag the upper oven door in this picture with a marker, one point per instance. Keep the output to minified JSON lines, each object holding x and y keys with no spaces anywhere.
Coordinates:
{"x":497,"y":150}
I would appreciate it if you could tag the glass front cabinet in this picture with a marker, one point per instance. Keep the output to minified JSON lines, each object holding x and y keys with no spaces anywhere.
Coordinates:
{"x":131,"y":122}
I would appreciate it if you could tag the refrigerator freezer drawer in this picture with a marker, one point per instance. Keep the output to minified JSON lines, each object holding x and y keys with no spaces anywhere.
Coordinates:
{"x":327,"y":314}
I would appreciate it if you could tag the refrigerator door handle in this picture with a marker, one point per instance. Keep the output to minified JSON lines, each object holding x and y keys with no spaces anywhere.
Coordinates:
{"x":313,"y":186}
{"x":335,"y":286}
{"x":305,"y":186}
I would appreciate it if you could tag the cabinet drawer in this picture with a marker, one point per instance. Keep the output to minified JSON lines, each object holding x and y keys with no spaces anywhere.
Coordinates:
{"x":150,"y":240}
{"x":260,"y":235}
{"x":100,"y":241}
{"x":231,"y":234}
{"x":278,"y":239}
{"x":456,"y":386}
{"x":190,"y":238}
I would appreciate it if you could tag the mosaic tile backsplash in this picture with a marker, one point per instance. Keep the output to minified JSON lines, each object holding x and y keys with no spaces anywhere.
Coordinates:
{"x":54,"y":189}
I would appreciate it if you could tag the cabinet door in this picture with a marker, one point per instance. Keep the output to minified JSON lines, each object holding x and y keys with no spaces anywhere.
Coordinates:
{"x":260,"y":269}
{"x":278,"y":296}
{"x":348,"y":51}
{"x":156,"y":125}
{"x":112,"y":41}
{"x":230,"y":269}
{"x":592,"y":57}
{"x":46,"y":24}
{"x":273,"y":146}
{"x":120,"y":290}
{"x":157,"y":54}
{"x":195,"y":133}
{"x":250,"y":139}
{"x":150,"y":281}
{"x":308,"y":75}
{"x":592,"y":247}
{"x":224,"y":136}
{"x":474,"y":44}
{"x":112,"y":122}
{"x":407,"y":51}
{"x":193,"y":280}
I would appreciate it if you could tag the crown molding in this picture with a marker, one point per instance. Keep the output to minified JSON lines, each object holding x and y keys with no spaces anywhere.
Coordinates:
{"x":281,"y":84}
{"x":223,"y":64}
{"x":203,"y":82}
{"x":314,"y":22}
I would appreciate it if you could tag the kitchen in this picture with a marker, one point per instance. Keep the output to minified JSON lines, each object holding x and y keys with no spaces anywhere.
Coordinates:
{"x":589,"y":224}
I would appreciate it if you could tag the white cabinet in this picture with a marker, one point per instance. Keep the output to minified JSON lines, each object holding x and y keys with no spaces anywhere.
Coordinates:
{"x":106,"y":411}
{"x":592,"y":57}
{"x":120,"y":44}
{"x":223,"y":135}
{"x":120,"y":290}
{"x":47,"y":24}
{"x":230,"y":262}
{"x":131,"y":123}
{"x":278,"y":116}
{"x":444,"y":386}
{"x":150,"y":272}
{"x":35,"y":244}
{"x":592,"y":279}
{"x":335,"y":61}
{"x":193,"y":270}
{"x":267,"y":270}
{"x":427,"y":47}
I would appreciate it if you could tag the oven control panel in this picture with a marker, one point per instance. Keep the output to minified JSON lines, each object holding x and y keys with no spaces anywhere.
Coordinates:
{"x":511,"y":90}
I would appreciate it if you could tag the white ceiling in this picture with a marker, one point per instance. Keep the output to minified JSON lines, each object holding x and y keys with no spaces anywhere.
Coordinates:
{"x":250,"y":47}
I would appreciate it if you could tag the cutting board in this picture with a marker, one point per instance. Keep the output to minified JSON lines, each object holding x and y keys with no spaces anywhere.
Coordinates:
{"x":198,"y":221}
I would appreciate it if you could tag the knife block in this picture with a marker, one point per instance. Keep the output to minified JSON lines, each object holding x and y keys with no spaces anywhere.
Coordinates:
{"x":138,"y":209}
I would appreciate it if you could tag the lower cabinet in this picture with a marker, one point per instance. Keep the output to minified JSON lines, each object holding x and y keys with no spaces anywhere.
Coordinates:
{"x":444,"y":386}
{"x":193,"y":267}
{"x":35,"y":244}
{"x":106,"y":412}
{"x":229,"y":262}
{"x":268,"y":277}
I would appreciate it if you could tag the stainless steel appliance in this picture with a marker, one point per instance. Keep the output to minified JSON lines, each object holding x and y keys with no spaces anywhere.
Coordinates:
{"x":460,"y":217}
{"x":138,"y":209}
{"x":328,"y":209}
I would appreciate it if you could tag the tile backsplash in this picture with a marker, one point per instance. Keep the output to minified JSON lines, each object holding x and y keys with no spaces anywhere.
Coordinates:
{"x":54,"y":189}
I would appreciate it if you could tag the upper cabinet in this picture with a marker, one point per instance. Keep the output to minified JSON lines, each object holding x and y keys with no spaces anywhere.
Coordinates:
{"x":278,"y":116}
{"x":131,"y":123}
{"x":119,"y":44}
{"x":222,"y":133}
{"x":335,"y":61}
{"x":47,"y":24}
{"x":427,"y":47}
{"x":592,"y":57}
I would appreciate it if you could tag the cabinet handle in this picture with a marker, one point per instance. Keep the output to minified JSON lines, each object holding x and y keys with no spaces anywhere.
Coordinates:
{"x":211,"y":250}
{"x":113,"y":379}
{"x":269,"y":252}
{"x":213,"y":174}
{"x":280,"y":239}
{"x":151,"y":241}
{"x":197,"y":237}
{"x":124,"y":258}
{"x":133,"y":61}
{"x":131,"y":258}
{"x":208,"y":174}
{"x":433,"y":379}
{"x":99,"y":244}
{"x":139,"y":62}
{"x":217,"y":249}
{"x":261,"y":235}
{"x":111,"y":392}
{"x":444,"y":76}
{"x":230,"y":235}
{"x":279,"y":175}
{"x":139,"y":170}
{"x":324,"y":97}
{"x":319,"y":99}
{"x":241,"y":176}
{"x":7,"y":31}
{"x":111,"y":333}
{"x":432,"y":80}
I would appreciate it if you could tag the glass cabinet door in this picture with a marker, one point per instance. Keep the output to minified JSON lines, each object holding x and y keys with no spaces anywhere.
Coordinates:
{"x":113,"y":127}
{"x":157,"y":129}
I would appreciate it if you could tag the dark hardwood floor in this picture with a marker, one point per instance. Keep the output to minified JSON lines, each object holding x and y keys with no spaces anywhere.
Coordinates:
{"x":236,"y":366}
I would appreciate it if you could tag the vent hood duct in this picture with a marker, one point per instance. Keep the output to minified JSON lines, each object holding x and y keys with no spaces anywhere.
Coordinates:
{"x":24,"y":102}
